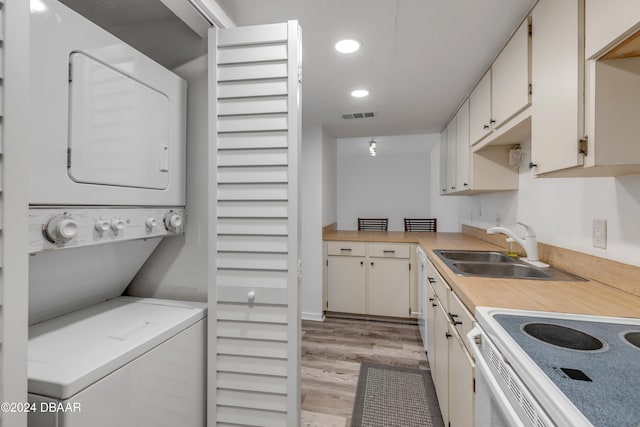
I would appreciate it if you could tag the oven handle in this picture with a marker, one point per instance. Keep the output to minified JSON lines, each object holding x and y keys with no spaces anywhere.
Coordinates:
{"x":499,"y":397}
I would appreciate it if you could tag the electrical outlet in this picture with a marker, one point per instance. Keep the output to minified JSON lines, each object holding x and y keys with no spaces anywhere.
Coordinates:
{"x":599,"y":233}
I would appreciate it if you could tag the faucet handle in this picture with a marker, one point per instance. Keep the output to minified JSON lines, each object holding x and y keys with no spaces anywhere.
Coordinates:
{"x":528,"y":231}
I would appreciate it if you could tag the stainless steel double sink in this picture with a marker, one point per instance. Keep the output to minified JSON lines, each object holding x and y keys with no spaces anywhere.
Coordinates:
{"x":499,"y":265}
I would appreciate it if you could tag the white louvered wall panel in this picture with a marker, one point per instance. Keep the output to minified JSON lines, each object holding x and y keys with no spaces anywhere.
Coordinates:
{"x":15,"y":124}
{"x":254,"y":335}
{"x":2,"y":320}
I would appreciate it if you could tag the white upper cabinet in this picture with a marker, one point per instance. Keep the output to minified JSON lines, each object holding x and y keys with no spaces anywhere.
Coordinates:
{"x":480,"y":109}
{"x":467,"y":172}
{"x":503,"y":92}
{"x":557,"y":75}
{"x":585,"y":114}
{"x":608,"y":22}
{"x":462,"y":147}
{"x":510,"y":77}
{"x":443,"y":162}
{"x":451,"y":155}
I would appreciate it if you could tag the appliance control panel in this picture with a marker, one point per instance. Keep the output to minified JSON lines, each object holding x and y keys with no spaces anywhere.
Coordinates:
{"x":68,"y":227}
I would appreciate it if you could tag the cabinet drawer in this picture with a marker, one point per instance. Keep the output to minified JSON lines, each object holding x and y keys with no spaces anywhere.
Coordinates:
{"x":346,"y":248}
{"x":389,"y":250}
{"x":460,"y":316}
{"x":440,"y":287}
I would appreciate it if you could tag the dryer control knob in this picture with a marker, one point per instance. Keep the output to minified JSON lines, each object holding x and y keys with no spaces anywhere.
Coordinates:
{"x":151,"y":223}
{"x":102,"y":225}
{"x":172,"y":221}
{"x":61,"y":228}
{"x":117,"y":225}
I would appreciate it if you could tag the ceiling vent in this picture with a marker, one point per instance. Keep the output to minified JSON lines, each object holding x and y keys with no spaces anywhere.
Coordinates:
{"x":358,"y":115}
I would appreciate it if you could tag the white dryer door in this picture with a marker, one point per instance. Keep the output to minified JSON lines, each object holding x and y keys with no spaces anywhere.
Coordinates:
{"x":118,"y":128}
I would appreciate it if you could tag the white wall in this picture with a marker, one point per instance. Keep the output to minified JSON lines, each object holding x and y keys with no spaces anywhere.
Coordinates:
{"x":561,"y":211}
{"x":178,"y":268}
{"x":329,"y":179}
{"x":317,"y":176}
{"x":394,"y":184}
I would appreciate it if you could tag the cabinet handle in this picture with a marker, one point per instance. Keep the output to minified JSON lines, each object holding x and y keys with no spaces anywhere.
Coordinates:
{"x":431,"y":280}
{"x":492,"y":122}
{"x":444,"y":190}
{"x":431,"y":299}
{"x":345,"y":249}
{"x":485,"y":127}
{"x":465,"y":184}
{"x":447,"y":335}
{"x":361,"y":262}
{"x":388,"y":251}
{"x":371,"y":264}
{"x":453,"y":187}
{"x":434,"y":305}
{"x":453,"y":319}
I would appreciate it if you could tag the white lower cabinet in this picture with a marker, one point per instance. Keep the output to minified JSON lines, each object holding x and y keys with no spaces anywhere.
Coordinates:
{"x":461,"y":384}
{"x":440,"y":371}
{"x":346,"y":284}
{"x":452,"y":366}
{"x":388,"y":293}
{"x":369,"y":278}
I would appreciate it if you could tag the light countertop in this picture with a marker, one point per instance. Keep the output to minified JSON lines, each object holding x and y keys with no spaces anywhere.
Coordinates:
{"x":589,"y":297}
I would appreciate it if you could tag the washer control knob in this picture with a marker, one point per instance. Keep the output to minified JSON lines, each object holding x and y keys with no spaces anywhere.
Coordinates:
{"x":102,"y":225}
{"x":117,"y":225}
{"x":61,"y":228}
{"x":151,"y":223}
{"x":172,"y":221}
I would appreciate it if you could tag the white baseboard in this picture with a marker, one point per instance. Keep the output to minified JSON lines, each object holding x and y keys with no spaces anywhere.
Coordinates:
{"x":318,"y":317}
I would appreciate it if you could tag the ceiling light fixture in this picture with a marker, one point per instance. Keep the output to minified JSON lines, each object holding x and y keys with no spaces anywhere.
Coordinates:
{"x":372,"y":148}
{"x":360,"y":93}
{"x":37,"y":6}
{"x":347,"y":46}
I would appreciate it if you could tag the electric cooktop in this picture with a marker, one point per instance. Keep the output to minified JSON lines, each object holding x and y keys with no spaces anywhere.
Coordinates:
{"x":595,"y":364}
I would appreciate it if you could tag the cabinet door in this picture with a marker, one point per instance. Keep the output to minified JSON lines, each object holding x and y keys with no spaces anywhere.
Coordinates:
{"x":431,"y":307}
{"x":607,"y":21}
{"x":441,"y":365}
{"x":346,"y":286}
{"x":388,"y":292}
{"x":443,"y":162}
{"x":557,"y":78}
{"x":451,"y":155}
{"x":460,"y":384}
{"x":480,"y":109}
{"x":510,"y":77}
{"x":462,"y":147}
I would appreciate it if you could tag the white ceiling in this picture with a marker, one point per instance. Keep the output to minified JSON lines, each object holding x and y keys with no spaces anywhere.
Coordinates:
{"x":419,"y":58}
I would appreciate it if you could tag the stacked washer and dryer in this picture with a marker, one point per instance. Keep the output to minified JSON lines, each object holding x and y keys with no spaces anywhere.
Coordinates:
{"x":107,"y":168}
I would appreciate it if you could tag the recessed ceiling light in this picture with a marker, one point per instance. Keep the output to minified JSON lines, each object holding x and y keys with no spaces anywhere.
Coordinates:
{"x":347,"y":46}
{"x":359,"y":93}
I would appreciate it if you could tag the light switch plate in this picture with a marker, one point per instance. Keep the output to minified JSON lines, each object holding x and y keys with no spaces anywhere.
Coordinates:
{"x":599,"y":233}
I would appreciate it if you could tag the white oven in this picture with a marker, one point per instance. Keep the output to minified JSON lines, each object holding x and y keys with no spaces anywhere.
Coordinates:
{"x":542,"y":369}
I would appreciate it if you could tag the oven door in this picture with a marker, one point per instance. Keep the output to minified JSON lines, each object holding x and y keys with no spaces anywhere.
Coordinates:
{"x":501,"y":398}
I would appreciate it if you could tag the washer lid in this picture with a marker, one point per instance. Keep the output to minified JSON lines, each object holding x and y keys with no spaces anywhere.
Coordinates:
{"x":71,"y":352}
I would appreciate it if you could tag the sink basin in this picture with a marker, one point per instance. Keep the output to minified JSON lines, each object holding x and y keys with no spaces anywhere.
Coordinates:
{"x":476,"y":256}
{"x":498,"y":265}
{"x":516,"y":271}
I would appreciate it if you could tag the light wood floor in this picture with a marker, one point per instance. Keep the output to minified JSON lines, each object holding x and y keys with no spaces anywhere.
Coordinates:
{"x":331,"y":355}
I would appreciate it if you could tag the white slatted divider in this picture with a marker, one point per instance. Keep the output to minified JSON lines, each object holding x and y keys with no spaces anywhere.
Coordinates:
{"x":254,"y":331}
{"x":15,"y":123}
